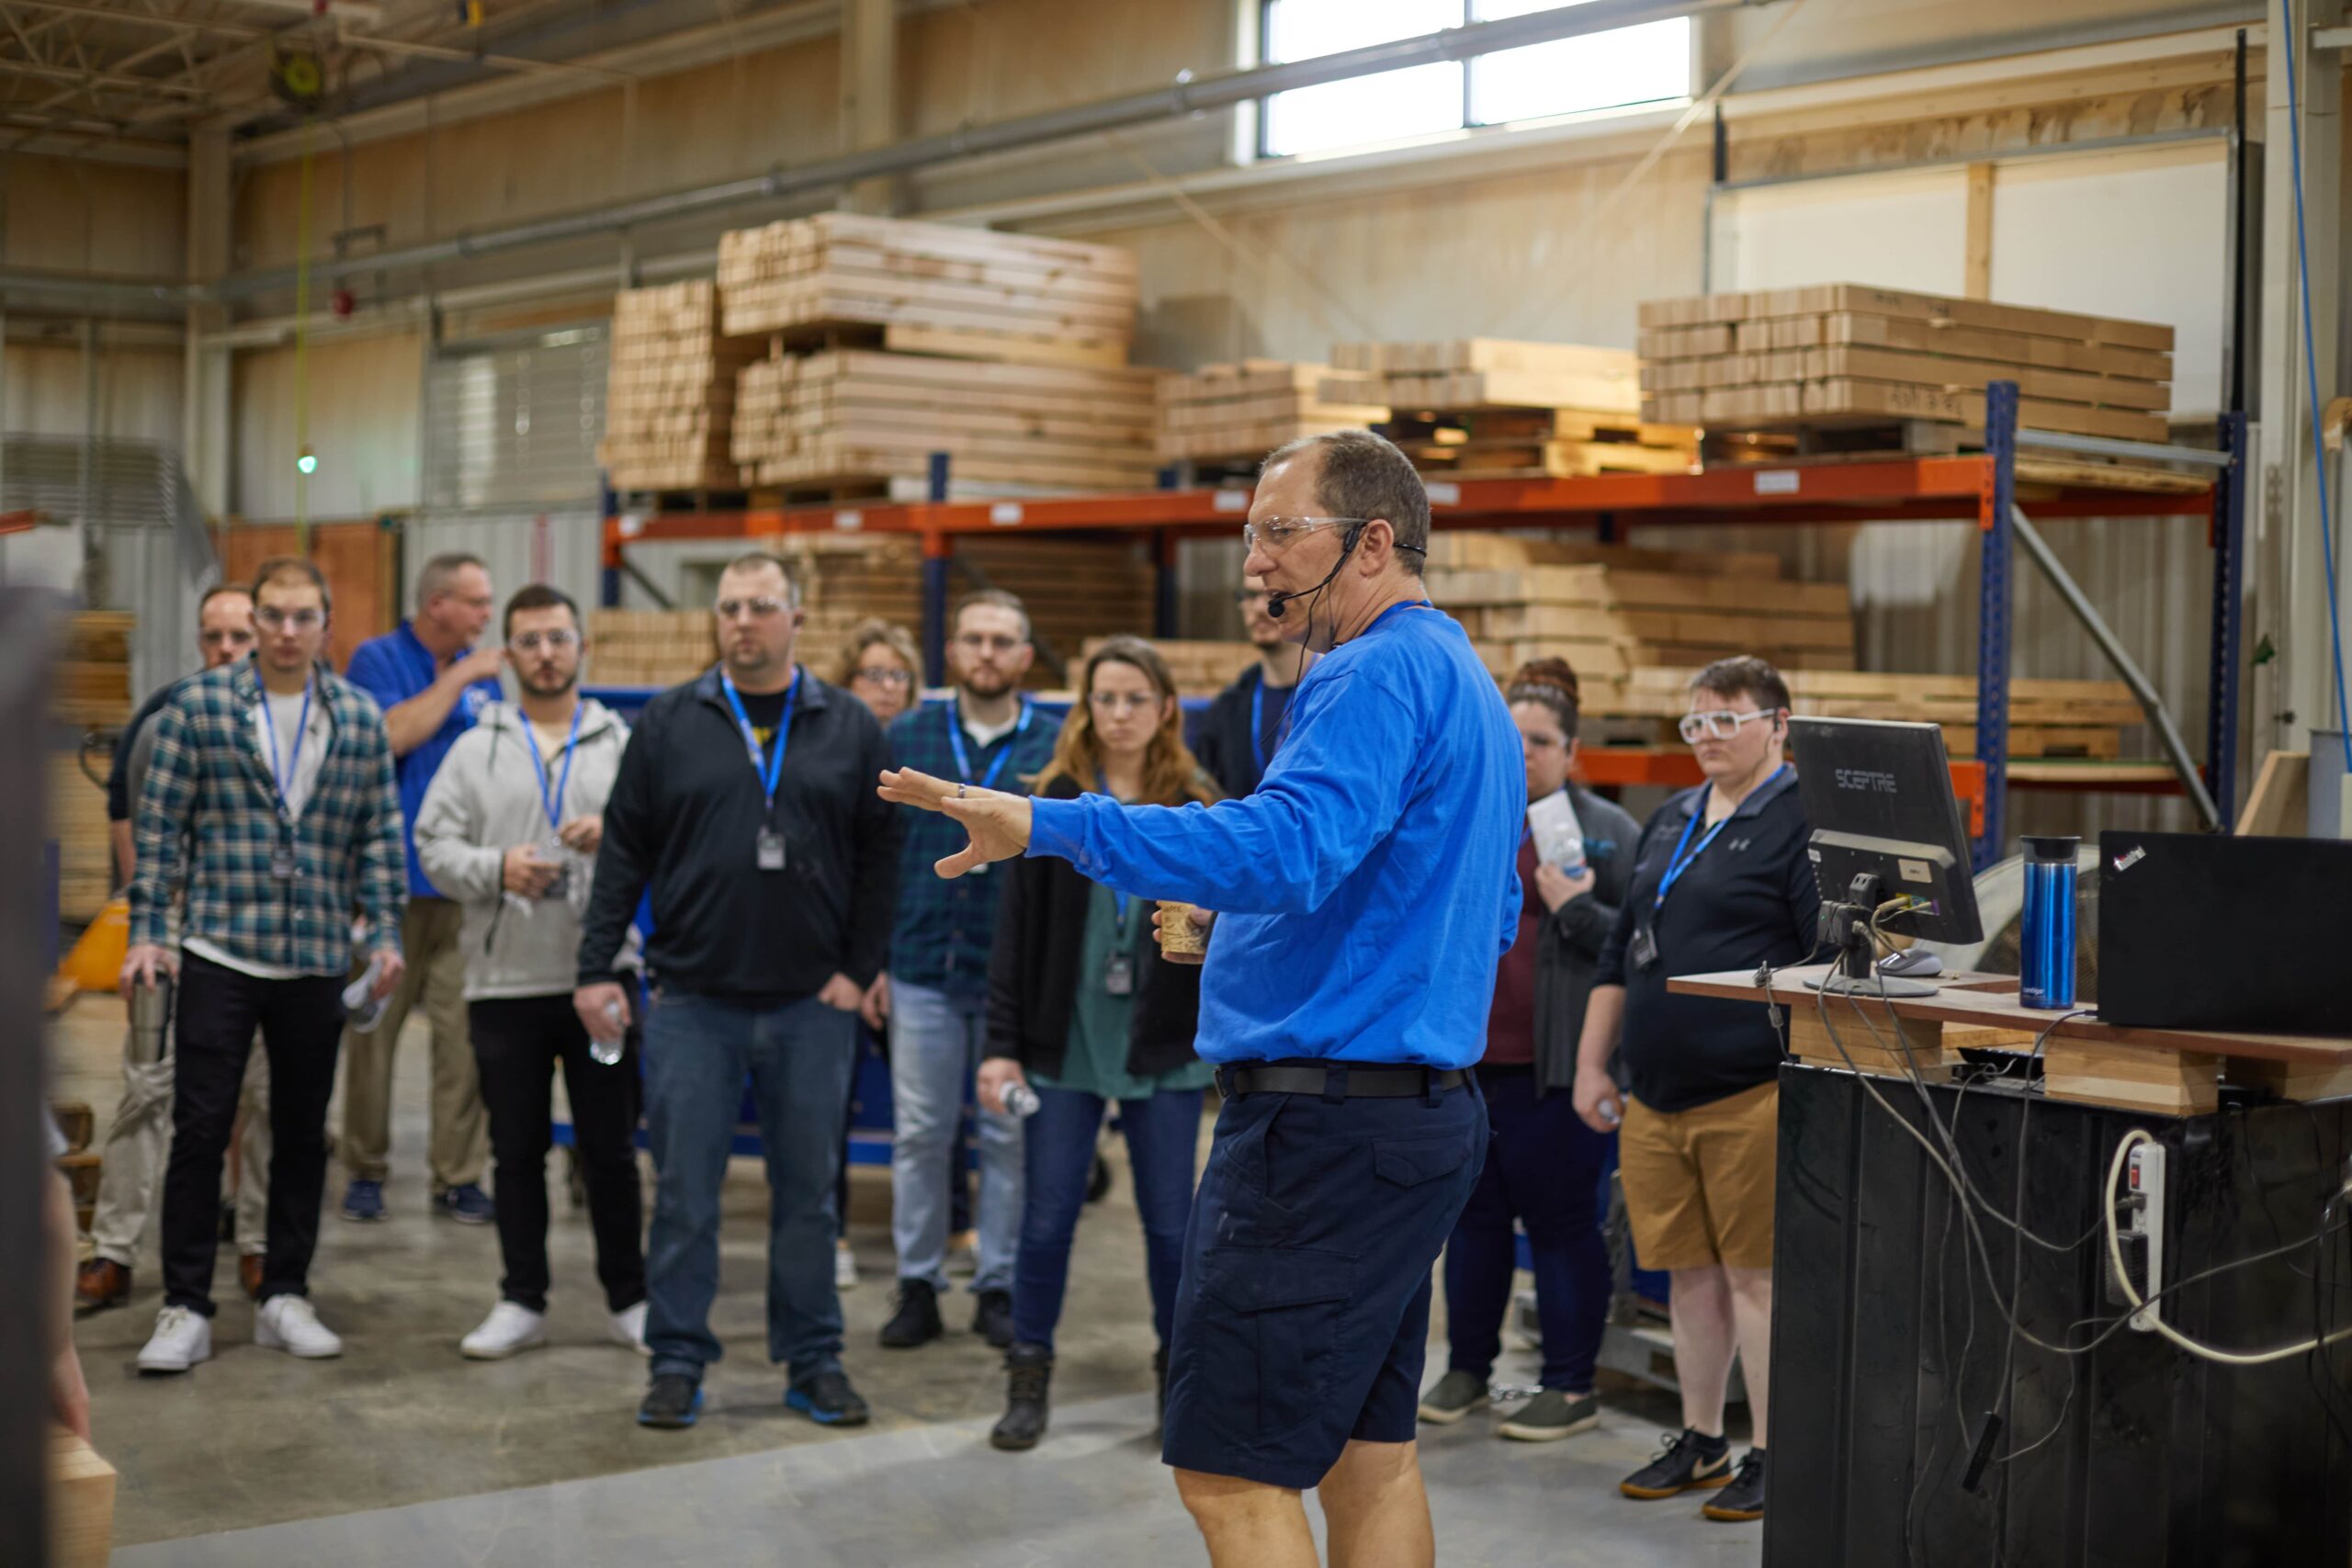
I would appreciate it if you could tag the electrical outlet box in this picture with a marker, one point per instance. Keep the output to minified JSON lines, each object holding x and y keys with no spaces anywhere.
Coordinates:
{"x":2145,"y":1182}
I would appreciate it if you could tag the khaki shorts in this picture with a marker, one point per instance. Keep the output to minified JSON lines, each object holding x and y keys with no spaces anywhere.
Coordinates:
{"x":1699,"y":1182}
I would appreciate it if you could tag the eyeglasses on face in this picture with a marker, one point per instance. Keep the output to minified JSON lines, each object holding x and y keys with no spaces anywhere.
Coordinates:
{"x":1280,"y":533}
{"x":985,"y":642}
{"x":760,"y":609}
{"x":554,"y":641}
{"x":276,"y":619}
{"x":1120,"y":702}
{"x":1715,"y":724}
{"x":882,"y":675}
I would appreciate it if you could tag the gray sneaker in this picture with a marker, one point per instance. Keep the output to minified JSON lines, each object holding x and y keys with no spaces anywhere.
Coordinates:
{"x":1455,"y":1396}
{"x":1552,"y":1414}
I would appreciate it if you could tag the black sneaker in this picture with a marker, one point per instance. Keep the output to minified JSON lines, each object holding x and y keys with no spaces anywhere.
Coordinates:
{"x":992,"y":1319}
{"x":1744,"y":1499}
{"x":828,"y":1400}
{"x":1689,"y":1462}
{"x":672,"y":1404}
{"x":917,"y":1320}
{"x":1029,"y":1373}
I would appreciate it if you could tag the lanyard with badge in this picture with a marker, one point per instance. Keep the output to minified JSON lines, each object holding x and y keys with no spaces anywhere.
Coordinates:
{"x":1119,"y":969}
{"x":281,"y":777}
{"x":768,"y":849}
{"x":553,"y":803}
{"x":1642,"y":951}
{"x":954,"y":711}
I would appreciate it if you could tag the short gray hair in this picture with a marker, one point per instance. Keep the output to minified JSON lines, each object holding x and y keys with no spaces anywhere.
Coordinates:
{"x":1365,"y":475}
{"x":441,"y":571}
{"x":753,"y":561}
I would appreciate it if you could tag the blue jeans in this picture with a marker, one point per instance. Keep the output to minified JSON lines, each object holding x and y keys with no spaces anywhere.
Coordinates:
{"x":1544,"y":1167}
{"x":1163,"y":1134}
{"x":697,"y":1051}
{"x":934,"y":1054}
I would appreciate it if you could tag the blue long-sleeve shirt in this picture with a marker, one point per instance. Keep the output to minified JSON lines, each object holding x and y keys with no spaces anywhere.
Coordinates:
{"x":1367,"y":890}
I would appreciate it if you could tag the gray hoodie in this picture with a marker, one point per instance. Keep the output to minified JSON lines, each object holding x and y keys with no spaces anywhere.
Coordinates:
{"x":487,"y":797}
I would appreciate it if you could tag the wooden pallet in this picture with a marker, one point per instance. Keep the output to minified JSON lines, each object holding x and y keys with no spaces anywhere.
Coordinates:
{"x":1844,"y":354}
{"x":1226,"y":414}
{"x":1479,"y":373}
{"x":1464,"y":444}
{"x":90,"y":683}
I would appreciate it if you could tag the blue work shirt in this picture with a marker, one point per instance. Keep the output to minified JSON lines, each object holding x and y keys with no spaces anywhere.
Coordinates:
{"x":393,"y":669}
{"x":1367,"y":890}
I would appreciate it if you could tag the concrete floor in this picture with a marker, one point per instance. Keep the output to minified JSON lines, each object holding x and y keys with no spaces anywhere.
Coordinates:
{"x":403,"y":1453}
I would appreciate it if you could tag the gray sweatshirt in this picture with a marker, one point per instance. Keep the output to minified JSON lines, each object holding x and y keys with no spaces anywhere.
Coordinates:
{"x":489,"y":796}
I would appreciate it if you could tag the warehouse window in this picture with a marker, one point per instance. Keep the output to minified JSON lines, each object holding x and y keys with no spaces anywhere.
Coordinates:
{"x":1641,"y":64}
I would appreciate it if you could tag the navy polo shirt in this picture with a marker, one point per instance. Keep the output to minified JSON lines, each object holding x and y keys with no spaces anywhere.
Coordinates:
{"x":1749,"y":897}
{"x":393,"y":669}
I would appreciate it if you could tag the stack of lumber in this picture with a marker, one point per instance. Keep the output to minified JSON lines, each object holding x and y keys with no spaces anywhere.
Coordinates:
{"x":77,"y":820}
{"x":91,"y":680}
{"x":843,"y":418}
{"x":1076,"y":590}
{"x":2046,"y":719}
{"x":1847,"y":353}
{"x":1201,"y":669}
{"x":1241,"y":412}
{"x":930,"y":289}
{"x":1608,"y":609}
{"x":669,"y":393}
{"x":844,"y":578}
{"x":1482,"y":407}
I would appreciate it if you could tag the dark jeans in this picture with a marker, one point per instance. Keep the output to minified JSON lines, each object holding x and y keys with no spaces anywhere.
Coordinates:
{"x":697,"y":1050}
{"x":301,"y":1029}
{"x":1544,"y":1167}
{"x":518,"y":1043}
{"x":1162,"y":1135}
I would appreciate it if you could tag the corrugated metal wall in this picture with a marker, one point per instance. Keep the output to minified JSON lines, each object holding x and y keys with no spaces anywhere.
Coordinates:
{"x":559,"y":544}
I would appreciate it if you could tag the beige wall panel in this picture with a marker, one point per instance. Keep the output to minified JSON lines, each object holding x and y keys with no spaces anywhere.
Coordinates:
{"x":138,"y":392}
{"x":83,"y":216}
{"x":364,"y":396}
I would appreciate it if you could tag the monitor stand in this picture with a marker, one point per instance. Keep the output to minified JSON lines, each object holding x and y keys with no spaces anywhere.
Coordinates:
{"x":1855,"y":974}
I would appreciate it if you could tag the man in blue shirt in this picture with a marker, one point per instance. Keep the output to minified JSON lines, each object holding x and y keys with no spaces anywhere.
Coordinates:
{"x":430,"y":680}
{"x":1365,"y":894}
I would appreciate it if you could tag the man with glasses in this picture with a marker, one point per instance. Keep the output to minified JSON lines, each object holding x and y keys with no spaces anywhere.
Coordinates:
{"x":1721,"y":881}
{"x":1366,"y":892}
{"x":745,"y":801}
{"x":1238,"y":735}
{"x":134,"y":1147}
{"x":270,"y":804}
{"x":431,"y":682}
{"x":510,"y":828}
{"x":935,"y":995}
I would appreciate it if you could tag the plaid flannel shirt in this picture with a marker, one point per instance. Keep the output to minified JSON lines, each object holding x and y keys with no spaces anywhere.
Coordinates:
{"x":944,"y":930}
{"x":208,"y":820}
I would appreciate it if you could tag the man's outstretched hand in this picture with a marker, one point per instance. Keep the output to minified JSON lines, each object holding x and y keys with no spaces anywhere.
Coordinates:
{"x":997,"y":823}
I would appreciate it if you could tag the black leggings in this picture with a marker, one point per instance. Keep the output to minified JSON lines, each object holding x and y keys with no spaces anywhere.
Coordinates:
{"x":518,"y":1043}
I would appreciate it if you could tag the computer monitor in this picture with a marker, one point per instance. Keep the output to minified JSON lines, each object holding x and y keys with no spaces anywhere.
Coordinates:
{"x":1887,"y":836}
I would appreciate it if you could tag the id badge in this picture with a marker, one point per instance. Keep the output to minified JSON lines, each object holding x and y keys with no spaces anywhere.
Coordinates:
{"x":281,"y":863}
{"x":1119,"y":975}
{"x":560,"y":887}
{"x":769,"y":852}
{"x":1642,"y":951}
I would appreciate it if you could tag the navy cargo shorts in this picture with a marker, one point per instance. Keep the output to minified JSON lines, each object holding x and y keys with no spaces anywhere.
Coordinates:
{"x":1304,"y":1314}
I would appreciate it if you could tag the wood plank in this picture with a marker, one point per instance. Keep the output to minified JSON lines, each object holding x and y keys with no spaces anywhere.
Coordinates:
{"x":2279,"y":807}
{"x":1967,"y":375}
{"x":1977,"y":264}
{"x":1827,"y":298}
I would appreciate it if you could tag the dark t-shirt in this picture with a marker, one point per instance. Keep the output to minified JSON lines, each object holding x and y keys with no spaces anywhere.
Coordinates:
{"x":1224,"y":745}
{"x":1510,"y":1022}
{"x":122,"y":802}
{"x":1749,"y":897}
{"x":765,"y":710}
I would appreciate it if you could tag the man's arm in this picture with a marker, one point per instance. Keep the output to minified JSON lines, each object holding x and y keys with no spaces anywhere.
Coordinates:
{"x":411,"y":722}
{"x":625,"y":862}
{"x":1334,"y":794}
{"x":877,"y":834}
{"x":448,"y":833}
{"x":165,"y":802}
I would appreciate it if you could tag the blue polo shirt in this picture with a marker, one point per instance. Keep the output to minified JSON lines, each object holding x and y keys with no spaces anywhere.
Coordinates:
{"x":1367,"y":890}
{"x":393,"y":669}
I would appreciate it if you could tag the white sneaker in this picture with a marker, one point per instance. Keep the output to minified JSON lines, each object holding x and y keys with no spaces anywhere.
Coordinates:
{"x":508,"y":1329}
{"x":845,"y":1266}
{"x":628,"y":1328}
{"x":291,"y":1323}
{"x":182,"y":1338}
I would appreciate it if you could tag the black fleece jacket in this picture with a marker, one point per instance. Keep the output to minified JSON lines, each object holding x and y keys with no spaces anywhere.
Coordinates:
{"x":684,"y":817}
{"x":1032,"y":973}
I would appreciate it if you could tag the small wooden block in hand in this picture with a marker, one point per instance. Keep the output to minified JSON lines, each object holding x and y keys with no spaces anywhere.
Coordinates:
{"x":81,"y":1504}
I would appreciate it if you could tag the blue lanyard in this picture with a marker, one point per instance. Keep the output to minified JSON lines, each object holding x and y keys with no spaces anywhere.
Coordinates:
{"x":1678,"y":862}
{"x":964,"y":761}
{"x":554,"y":803}
{"x":769,"y":768}
{"x":1258,"y":723}
{"x":279,"y":775}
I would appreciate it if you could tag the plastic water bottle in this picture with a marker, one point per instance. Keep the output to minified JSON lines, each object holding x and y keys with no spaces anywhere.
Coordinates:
{"x":367,"y":1009}
{"x":1020,"y":1100}
{"x":605,"y":1049}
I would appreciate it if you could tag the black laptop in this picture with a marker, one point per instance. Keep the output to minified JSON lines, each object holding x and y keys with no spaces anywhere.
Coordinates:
{"x":2199,"y":931}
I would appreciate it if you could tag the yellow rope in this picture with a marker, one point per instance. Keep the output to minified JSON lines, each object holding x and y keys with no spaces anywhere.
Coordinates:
{"x":303,"y":348}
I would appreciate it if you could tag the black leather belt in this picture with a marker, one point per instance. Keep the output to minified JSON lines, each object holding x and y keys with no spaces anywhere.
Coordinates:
{"x":1337,"y":1081}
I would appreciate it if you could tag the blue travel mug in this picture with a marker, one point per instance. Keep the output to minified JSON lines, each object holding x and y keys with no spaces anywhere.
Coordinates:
{"x":2046,"y":932}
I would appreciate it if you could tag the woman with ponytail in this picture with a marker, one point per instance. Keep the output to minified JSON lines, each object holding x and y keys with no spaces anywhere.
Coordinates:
{"x":1543,"y":1164}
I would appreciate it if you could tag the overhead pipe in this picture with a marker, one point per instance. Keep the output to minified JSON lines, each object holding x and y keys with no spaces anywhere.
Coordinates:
{"x":1186,"y":96}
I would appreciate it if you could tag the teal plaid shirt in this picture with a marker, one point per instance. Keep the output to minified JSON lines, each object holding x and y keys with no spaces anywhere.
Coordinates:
{"x":207,"y":822}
